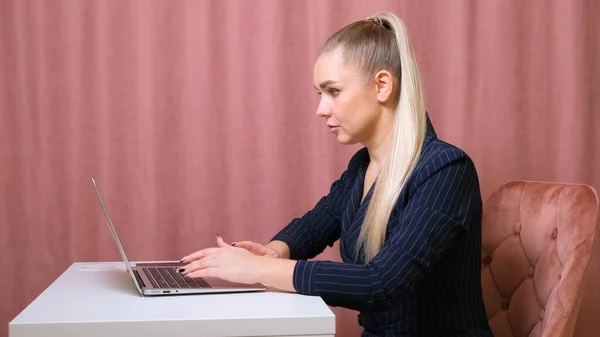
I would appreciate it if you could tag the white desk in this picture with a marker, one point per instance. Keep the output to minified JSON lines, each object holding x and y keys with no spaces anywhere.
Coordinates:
{"x":104,"y":302}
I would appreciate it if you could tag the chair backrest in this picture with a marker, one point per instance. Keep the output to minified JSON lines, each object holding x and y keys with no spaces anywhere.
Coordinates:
{"x":537,"y":241}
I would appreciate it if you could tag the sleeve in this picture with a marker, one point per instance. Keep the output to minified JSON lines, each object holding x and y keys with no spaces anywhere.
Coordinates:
{"x":309,"y":235}
{"x":441,"y":208}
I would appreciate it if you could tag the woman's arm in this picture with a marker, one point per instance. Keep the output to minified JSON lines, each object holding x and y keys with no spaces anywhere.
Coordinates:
{"x":282,"y":249}
{"x":441,"y":209}
{"x":308,"y":236}
{"x":277,"y":273}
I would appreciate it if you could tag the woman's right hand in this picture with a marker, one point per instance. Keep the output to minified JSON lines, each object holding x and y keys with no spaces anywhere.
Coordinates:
{"x":257,"y":248}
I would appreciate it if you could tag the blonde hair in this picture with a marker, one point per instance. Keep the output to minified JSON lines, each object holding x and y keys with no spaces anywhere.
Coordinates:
{"x":377,"y":43}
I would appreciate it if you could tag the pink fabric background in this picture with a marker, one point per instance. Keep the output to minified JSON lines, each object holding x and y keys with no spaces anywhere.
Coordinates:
{"x":198,"y":117}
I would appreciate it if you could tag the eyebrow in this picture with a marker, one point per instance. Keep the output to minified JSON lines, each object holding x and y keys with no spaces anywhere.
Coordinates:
{"x":325,"y":84}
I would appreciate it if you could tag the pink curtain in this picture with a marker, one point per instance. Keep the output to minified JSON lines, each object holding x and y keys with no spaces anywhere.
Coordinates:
{"x":198,"y":117}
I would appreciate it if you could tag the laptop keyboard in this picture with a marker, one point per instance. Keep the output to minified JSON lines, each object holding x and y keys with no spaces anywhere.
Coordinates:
{"x":168,"y":277}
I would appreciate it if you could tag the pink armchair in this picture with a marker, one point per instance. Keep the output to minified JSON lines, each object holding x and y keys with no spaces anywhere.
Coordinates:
{"x":538,"y":239}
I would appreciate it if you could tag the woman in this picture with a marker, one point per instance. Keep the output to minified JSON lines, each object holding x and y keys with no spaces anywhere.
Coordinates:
{"x":407,"y":210}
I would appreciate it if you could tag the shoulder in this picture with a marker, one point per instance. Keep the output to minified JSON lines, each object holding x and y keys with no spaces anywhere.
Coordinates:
{"x":440,"y":159}
{"x":440,"y":153}
{"x":444,"y":183}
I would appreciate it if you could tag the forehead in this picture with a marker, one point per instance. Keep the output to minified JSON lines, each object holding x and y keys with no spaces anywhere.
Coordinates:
{"x":331,"y":66}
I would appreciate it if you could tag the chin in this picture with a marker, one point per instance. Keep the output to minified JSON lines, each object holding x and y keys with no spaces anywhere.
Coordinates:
{"x":346,"y":140}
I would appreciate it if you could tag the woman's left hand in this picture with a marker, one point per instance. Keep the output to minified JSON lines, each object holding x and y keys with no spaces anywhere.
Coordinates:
{"x":224,"y":262}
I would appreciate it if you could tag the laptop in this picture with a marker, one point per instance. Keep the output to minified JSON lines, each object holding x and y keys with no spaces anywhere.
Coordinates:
{"x":162,"y":278}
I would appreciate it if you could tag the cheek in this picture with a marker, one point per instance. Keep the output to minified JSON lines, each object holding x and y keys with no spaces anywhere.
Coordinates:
{"x":356,"y":116}
{"x":342,"y":109}
{"x":350,"y":111}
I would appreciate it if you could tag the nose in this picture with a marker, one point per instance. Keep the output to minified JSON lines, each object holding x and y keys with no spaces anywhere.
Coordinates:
{"x":323,"y":110}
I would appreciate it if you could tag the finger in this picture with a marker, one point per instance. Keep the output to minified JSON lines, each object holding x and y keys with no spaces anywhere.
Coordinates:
{"x":249,"y":245}
{"x":221,"y":242}
{"x":256,"y":248}
{"x":206,"y":262}
{"x":206,"y":272}
{"x":245,"y":244}
{"x":200,"y":254}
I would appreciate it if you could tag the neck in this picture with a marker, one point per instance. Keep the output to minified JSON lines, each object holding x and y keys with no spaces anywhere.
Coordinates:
{"x":378,"y":144}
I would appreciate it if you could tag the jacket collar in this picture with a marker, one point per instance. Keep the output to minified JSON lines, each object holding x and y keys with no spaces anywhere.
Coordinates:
{"x":430,"y":133}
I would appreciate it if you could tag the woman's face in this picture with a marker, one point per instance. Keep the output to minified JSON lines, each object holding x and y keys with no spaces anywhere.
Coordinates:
{"x":351,"y":103}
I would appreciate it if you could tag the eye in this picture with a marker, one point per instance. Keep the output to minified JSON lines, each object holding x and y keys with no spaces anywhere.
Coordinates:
{"x":333,"y":92}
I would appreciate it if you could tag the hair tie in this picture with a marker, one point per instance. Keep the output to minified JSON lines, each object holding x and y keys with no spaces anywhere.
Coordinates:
{"x":376,"y":19}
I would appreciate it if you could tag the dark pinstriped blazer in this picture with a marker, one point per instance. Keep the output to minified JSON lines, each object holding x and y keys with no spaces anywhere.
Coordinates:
{"x":426,"y":281}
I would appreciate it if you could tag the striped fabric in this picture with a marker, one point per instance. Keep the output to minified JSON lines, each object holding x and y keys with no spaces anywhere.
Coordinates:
{"x":426,"y":281}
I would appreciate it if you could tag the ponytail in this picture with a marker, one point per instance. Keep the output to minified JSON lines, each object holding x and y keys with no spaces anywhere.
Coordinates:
{"x":408,"y":133}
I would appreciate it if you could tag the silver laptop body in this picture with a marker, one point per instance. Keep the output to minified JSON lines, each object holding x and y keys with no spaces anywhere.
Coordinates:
{"x":162,"y":277}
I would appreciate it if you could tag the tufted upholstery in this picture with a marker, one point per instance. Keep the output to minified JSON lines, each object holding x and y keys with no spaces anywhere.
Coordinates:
{"x":537,"y":242}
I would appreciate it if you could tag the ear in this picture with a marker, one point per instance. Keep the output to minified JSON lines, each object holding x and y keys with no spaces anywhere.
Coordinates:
{"x":384,"y":83}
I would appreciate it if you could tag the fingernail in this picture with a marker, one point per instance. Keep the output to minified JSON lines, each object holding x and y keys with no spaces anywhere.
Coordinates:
{"x":181,"y":270}
{"x":233,"y":244}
